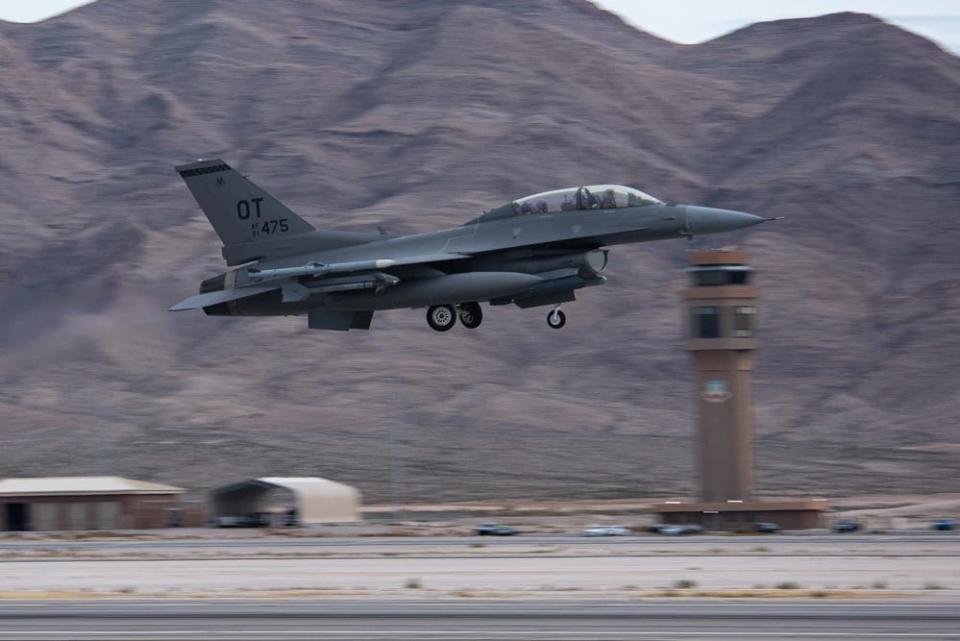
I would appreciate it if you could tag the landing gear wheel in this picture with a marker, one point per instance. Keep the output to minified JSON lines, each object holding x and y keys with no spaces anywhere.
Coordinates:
{"x":441,"y":317}
{"x":556,"y":319}
{"x":471,"y":315}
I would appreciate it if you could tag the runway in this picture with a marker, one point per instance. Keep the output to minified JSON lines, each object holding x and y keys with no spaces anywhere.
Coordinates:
{"x":225,"y":542}
{"x":139,"y":620}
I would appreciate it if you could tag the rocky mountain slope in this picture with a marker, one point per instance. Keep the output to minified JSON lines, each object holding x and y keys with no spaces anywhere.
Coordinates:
{"x":419,"y":114}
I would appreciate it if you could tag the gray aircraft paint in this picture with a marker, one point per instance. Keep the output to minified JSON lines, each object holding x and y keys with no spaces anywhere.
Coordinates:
{"x":512,"y":254}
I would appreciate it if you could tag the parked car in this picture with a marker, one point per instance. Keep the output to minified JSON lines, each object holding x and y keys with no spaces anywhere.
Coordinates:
{"x":243,"y":520}
{"x":679,"y":530}
{"x":766,"y":528}
{"x":944,"y":525}
{"x":606,"y":530}
{"x":846,"y":526}
{"x":495,"y":529}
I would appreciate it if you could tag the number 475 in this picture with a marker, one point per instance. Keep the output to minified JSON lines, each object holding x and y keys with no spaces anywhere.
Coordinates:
{"x":273,"y":226}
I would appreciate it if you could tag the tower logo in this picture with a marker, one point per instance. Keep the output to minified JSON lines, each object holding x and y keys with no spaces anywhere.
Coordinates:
{"x":716,"y":391}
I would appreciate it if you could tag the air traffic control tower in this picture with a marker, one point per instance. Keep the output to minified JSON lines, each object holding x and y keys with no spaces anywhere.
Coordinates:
{"x":721,"y":311}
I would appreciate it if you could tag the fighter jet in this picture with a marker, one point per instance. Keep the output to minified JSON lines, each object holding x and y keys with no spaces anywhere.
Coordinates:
{"x":531,"y":252}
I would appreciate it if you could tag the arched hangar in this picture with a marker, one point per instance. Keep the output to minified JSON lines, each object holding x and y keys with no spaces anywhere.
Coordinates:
{"x":275,"y":500}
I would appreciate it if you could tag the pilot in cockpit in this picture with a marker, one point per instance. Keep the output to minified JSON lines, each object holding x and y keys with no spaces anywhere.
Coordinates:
{"x":586,"y":200}
{"x":608,"y":201}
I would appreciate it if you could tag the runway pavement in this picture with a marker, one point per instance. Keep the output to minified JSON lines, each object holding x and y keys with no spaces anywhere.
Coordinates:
{"x":139,"y":620}
{"x":532,"y":539}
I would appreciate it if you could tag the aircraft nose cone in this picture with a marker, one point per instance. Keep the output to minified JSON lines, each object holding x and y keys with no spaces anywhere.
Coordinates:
{"x":708,"y":220}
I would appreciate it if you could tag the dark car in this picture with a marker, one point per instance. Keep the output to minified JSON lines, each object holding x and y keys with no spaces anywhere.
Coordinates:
{"x":944,"y":525}
{"x":243,"y":520}
{"x":766,"y":528}
{"x":495,"y":529}
{"x":846,"y":526}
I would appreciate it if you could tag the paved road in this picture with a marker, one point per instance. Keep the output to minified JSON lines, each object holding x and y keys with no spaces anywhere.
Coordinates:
{"x":534,"y":539}
{"x":570,"y":621}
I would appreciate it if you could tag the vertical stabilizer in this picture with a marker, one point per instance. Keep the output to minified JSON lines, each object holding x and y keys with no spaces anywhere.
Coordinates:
{"x":239,"y":210}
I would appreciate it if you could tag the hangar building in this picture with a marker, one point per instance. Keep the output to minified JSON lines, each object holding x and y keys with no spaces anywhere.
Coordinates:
{"x":282,"y":501}
{"x":85,"y":503}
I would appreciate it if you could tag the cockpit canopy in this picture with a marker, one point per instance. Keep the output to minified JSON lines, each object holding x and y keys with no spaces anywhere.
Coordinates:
{"x":574,"y":199}
{"x":589,"y":197}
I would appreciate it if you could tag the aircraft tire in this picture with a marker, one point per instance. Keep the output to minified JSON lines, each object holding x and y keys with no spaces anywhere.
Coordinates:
{"x":556,"y":319}
{"x":471,"y":315}
{"x":441,"y":317}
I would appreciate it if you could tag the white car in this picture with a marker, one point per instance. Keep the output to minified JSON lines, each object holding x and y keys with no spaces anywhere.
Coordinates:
{"x":606,"y":530}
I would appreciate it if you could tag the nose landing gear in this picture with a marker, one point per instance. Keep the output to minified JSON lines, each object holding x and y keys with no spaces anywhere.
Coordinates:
{"x":556,"y":318}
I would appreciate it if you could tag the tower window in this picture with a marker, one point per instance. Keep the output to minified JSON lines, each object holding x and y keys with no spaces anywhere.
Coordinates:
{"x":743,"y":319}
{"x":708,"y":278}
{"x":706,"y":322}
{"x":715,"y":275}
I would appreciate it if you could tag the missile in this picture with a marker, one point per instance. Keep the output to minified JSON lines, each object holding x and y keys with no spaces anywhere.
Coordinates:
{"x":317,"y":269}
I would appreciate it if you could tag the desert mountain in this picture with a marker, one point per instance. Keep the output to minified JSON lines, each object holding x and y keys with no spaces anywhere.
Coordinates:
{"x":416,"y":115}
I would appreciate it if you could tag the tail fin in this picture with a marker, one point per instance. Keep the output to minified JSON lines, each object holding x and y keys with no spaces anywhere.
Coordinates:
{"x":239,"y":211}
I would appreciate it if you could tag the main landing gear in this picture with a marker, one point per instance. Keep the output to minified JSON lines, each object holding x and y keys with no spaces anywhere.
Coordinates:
{"x":443,"y":317}
{"x":471,"y":315}
{"x":556,"y":318}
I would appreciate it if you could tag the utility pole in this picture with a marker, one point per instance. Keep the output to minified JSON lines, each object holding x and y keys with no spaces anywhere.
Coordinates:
{"x":397,"y":451}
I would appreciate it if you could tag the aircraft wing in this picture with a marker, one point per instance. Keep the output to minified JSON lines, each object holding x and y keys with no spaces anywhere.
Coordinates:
{"x":420,"y":259}
{"x":396,"y":261}
{"x":224,"y":296}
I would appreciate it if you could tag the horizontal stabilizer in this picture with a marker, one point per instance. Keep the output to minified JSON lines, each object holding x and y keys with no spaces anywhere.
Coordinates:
{"x":223,"y":296}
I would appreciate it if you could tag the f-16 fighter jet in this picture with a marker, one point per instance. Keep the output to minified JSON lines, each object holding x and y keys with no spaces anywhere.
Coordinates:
{"x":531,"y":252}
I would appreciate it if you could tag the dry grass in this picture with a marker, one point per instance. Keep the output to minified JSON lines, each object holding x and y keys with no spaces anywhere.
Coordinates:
{"x":774,"y":594}
{"x":787,"y":585}
{"x":31,"y":595}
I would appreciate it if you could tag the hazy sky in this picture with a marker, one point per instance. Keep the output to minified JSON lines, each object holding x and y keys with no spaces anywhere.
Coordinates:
{"x":687,"y":20}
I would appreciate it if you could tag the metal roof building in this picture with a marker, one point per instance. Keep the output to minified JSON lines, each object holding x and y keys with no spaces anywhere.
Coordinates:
{"x":293,"y":500}
{"x":85,"y":503}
